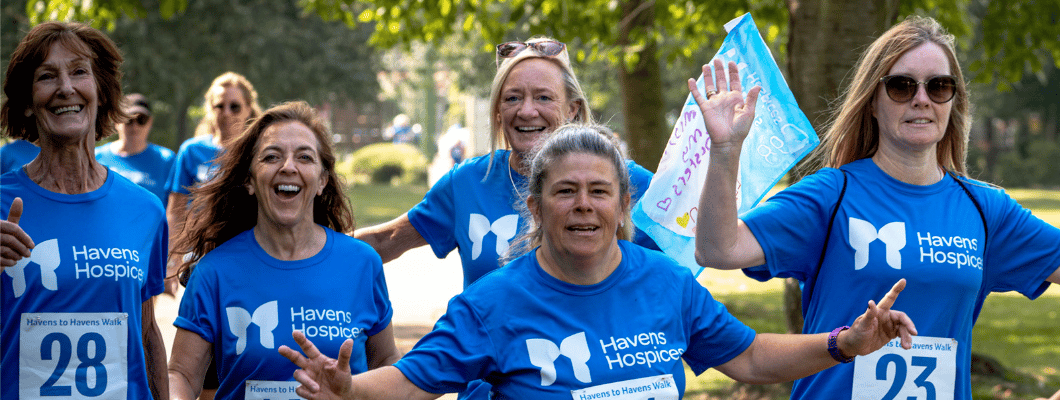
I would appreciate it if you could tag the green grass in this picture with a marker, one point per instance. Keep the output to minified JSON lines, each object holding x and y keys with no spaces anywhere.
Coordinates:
{"x":1045,"y":204}
{"x":375,"y":204}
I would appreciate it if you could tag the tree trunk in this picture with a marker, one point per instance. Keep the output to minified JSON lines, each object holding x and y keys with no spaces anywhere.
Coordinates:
{"x":992,"y":147}
{"x":825,"y":39}
{"x":642,"y":98}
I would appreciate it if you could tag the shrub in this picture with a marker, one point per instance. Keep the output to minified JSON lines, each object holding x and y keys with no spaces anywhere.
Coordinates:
{"x":1013,"y":170}
{"x":1040,"y":167}
{"x":387,"y":163}
{"x":1044,"y":160}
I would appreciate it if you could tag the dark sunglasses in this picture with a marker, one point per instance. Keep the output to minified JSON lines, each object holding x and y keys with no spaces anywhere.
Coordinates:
{"x":139,"y":119}
{"x":902,"y":88}
{"x":232,"y":107}
{"x":547,"y":48}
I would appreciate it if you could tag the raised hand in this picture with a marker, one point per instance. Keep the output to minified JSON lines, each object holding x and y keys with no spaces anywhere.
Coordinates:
{"x":727,"y":115}
{"x":15,"y":244}
{"x":322,"y":377}
{"x":879,"y":325}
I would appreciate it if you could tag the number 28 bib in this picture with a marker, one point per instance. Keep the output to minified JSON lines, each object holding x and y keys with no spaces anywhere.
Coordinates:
{"x":925,"y":372}
{"x":73,"y":355}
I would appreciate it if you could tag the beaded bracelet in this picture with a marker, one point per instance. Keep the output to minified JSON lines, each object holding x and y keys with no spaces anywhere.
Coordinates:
{"x":833,"y":345}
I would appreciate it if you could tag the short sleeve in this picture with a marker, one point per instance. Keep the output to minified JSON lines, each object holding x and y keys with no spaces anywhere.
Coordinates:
{"x":198,"y":307}
{"x":159,"y":250}
{"x":716,"y":336}
{"x":183,"y":175}
{"x":434,"y":216}
{"x":457,"y":351}
{"x":1022,"y":250}
{"x":381,"y":298}
{"x":791,"y":226}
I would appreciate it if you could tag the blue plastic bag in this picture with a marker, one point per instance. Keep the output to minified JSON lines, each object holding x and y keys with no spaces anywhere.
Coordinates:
{"x":780,"y":136}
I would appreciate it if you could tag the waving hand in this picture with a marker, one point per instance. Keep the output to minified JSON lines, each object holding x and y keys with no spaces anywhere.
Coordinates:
{"x":727,"y":115}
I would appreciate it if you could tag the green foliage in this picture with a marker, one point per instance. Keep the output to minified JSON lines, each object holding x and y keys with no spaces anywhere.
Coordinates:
{"x":1015,"y":39}
{"x":285,"y":52}
{"x":386,"y":163}
{"x":1039,"y":167}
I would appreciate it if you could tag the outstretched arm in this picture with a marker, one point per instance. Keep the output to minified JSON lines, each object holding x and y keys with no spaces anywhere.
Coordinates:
{"x":722,"y":240}
{"x":391,"y":239}
{"x":774,"y":358}
{"x":325,"y":378}
{"x":15,"y":244}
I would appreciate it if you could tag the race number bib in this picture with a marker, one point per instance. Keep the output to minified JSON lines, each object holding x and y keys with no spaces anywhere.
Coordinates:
{"x":271,"y":390}
{"x":660,"y":387}
{"x":928,"y":371}
{"x":73,"y":355}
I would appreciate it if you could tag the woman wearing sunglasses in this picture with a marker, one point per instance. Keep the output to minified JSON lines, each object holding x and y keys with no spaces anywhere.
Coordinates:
{"x":894,"y":202}
{"x":472,"y":208}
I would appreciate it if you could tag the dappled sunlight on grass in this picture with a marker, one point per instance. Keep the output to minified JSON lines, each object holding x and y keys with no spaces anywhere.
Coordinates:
{"x":1021,"y":334}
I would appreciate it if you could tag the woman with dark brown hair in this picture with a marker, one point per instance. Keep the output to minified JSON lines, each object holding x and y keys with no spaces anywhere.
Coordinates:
{"x":265,"y":251}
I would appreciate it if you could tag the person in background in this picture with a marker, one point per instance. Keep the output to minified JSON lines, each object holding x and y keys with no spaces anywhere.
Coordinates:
{"x":146,"y":164}
{"x":265,"y":227}
{"x":230,"y":102}
{"x":893,"y":203}
{"x":585,"y":313}
{"x":16,"y":154}
{"x":84,"y":255}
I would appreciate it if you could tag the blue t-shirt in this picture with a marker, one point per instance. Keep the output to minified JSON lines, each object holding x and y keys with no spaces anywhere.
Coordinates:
{"x":886,"y":230}
{"x":247,"y":303}
{"x":480,"y":218}
{"x":149,"y":168}
{"x":16,"y":154}
{"x":71,"y":313}
{"x":531,"y":335}
{"x":194,"y":164}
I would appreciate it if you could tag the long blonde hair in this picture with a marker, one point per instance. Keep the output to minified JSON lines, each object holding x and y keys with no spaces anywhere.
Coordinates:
{"x":854,"y":133}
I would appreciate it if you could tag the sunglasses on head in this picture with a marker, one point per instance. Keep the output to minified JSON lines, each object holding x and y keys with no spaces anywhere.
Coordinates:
{"x":139,"y":119}
{"x":547,"y":48}
{"x":902,"y":88}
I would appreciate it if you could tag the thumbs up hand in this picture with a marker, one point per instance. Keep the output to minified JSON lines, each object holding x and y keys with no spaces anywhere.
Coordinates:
{"x":15,"y":244}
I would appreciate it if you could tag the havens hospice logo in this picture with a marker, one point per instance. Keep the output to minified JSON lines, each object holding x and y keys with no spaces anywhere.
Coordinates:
{"x":863,"y":233}
{"x":265,"y":317}
{"x":955,"y":250}
{"x":543,"y":354}
{"x":45,"y":255}
{"x":505,"y":228}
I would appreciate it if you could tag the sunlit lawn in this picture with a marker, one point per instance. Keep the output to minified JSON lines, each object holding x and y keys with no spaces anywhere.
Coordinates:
{"x":374,"y":204}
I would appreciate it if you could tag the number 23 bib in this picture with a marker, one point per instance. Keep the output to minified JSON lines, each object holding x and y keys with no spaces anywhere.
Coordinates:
{"x":925,"y":372}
